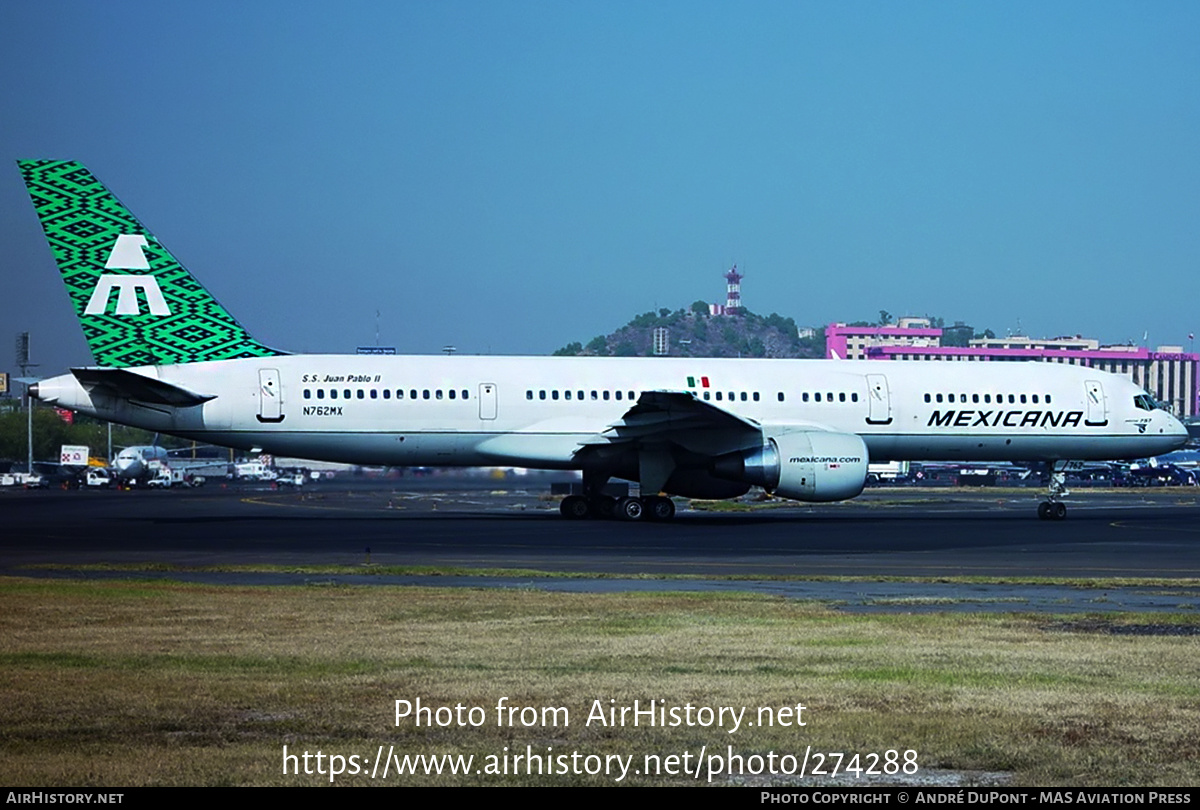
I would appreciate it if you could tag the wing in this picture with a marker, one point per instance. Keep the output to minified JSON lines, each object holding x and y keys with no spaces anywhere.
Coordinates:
{"x":679,"y":418}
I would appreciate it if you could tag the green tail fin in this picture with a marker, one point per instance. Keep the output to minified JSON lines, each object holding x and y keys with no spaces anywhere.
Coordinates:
{"x":136,"y":303}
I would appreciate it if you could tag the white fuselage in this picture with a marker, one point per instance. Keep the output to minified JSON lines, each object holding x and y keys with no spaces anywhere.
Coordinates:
{"x":539,"y":411}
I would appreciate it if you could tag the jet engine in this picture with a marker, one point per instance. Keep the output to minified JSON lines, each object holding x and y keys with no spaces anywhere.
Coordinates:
{"x":803,"y":465}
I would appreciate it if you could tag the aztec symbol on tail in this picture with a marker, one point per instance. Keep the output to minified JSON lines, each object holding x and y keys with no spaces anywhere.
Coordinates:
{"x":127,"y":255}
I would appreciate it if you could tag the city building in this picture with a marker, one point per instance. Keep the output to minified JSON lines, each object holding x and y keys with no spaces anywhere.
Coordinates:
{"x":1168,"y":373}
{"x":852,"y":342}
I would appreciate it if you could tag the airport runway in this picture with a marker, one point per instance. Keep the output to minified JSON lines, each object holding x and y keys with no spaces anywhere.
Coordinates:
{"x":476,"y":523}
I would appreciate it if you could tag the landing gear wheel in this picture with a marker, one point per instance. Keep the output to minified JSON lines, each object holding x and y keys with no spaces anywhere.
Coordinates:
{"x":630,"y":509}
{"x":1051,"y":510}
{"x":574,"y":507}
{"x":660,"y":508}
{"x":603,"y":506}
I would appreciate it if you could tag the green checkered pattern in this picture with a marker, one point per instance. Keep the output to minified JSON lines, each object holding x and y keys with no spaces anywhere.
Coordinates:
{"x":82,"y":221}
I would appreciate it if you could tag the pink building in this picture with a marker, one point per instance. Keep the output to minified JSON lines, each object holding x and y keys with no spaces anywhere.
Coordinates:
{"x":1169,"y":373}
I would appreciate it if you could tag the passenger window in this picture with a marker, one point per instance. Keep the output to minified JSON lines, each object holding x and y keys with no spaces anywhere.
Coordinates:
{"x":320,"y":393}
{"x":465,"y":394}
{"x":554,"y":394}
{"x":780,"y":395}
{"x":412,"y":393}
{"x":804,"y":397}
{"x":706,"y":395}
{"x":606,"y":396}
{"x":387,"y":393}
{"x":566,"y":394}
{"x":333,"y":393}
{"x":619,"y":395}
{"x":529,"y":394}
{"x":307,"y":393}
{"x":362,"y":394}
{"x":1022,"y":399}
{"x":541,"y":394}
{"x":938,"y":397}
{"x":975,"y":398}
{"x":928,"y":398}
{"x":718,"y":396}
{"x":580,"y":395}
{"x":756,"y":396}
{"x":346,"y":393}
{"x":743,"y":396}
{"x":817,"y":396}
{"x":854,"y":397}
{"x":438,"y":393}
{"x":425,"y":394}
{"x":842,"y":397}
{"x":374,"y":394}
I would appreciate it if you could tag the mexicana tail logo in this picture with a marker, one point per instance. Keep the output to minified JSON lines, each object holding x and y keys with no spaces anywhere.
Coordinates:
{"x":127,"y":254}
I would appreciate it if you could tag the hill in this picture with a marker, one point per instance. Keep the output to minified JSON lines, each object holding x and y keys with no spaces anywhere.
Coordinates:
{"x":693,"y":332}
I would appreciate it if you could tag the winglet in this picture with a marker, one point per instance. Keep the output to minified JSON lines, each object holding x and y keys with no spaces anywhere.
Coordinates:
{"x":160,"y":314}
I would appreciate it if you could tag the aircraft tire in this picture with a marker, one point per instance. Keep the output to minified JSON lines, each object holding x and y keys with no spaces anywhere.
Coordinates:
{"x":1044,"y":510}
{"x":630,"y":509}
{"x":1058,"y":511}
{"x":660,"y":508}
{"x":574,"y":507}
{"x":602,"y":507}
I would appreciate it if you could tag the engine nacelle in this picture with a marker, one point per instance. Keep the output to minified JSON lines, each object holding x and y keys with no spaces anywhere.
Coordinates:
{"x":806,"y":465}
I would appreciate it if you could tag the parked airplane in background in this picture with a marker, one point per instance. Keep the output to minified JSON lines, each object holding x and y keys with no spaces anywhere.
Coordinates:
{"x":139,"y":462}
{"x":169,"y":358}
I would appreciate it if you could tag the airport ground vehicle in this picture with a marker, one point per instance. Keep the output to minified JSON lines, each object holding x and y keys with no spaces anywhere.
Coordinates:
{"x":166,"y":477}
{"x":171,"y":359}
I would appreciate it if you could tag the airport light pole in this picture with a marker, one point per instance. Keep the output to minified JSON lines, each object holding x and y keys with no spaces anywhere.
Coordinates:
{"x":29,"y":427}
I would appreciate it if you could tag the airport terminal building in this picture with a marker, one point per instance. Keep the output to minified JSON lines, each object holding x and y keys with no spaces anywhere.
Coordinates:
{"x":1168,"y":373}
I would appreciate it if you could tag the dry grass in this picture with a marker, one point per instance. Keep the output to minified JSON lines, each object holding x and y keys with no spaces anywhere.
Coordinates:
{"x":129,"y":683}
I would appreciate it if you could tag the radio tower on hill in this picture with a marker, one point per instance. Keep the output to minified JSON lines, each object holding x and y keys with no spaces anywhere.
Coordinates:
{"x":733,"y":294}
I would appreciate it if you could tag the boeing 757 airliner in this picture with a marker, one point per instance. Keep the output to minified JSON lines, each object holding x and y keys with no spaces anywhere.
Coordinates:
{"x":169,"y":358}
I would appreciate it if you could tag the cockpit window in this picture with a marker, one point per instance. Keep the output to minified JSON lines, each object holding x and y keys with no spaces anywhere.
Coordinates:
{"x":1146,"y":402}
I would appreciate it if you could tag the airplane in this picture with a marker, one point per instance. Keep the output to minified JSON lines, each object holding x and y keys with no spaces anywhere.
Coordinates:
{"x":170,"y":358}
{"x":139,"y":462}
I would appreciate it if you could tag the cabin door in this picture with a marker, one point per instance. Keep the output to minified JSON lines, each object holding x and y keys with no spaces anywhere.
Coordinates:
{"x":879,"y":401}
{"x":270,"y":408}
{"x":487,"y":400}
{"x":1097,"y":405}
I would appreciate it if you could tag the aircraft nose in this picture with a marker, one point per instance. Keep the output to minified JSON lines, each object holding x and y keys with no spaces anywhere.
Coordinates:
{"x":1175,"y":427}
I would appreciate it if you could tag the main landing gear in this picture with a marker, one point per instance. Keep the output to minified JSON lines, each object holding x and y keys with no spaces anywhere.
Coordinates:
{"x":593,"y":503}
{"x":1052,"y":508}
{"x":654,"y":507}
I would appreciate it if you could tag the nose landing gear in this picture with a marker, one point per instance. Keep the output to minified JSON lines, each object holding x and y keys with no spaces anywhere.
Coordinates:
{"x":1052,"y":508}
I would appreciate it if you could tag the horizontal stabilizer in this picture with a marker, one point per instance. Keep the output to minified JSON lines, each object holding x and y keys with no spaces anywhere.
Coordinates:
{"x":126,"y":384}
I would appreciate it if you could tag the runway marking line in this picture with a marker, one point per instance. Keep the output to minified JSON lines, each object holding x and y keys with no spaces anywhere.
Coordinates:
{"x":264,"y":502}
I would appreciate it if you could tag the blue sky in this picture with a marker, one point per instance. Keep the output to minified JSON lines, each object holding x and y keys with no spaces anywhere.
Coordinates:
{"x":511,"y":176}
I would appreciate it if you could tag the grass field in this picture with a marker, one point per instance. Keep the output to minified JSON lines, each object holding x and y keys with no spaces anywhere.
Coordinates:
{"x":130,"y":682}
